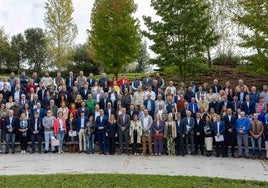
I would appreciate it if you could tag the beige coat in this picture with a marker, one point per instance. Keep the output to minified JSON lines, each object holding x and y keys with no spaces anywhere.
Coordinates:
{"x":174,"y":130}
{"x":138,"y":126}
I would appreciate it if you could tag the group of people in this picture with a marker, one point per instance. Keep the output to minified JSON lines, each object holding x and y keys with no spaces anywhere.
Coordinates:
{"x":152,"y":117}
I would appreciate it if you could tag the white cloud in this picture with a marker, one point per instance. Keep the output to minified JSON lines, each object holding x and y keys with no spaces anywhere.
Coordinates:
{"x":18,"y":15}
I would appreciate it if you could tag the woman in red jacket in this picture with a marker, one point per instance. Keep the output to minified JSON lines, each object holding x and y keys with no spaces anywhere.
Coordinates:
{"x":60,"y":129}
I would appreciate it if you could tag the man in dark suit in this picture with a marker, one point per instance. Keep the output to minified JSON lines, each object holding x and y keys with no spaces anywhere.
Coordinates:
{"x":229,"y":121}
{"x":123,"y":122}
{"x":216,"y":86}
{"x":199,"y":134}
{"x":236,"y":104}
{"x":149,"y":105}
{"x":109,"y":110}
{"x":126,"y":99}
{"x":132,"y":111}
{"x":101,"y":124}
{"x":226,"y":103}
{"x":39,"y":110}
{"x":11,"y":125}
{"x":70,"y":81}
{"x":85,"y":91}
{"x":219,"y":130}
{"x":181,"y":132}
{"x":248,"y":106}
{"x":6,"y":93}
{"x":147,"y":81}
{"x":91,"y":80}
{"x":104,"y":101}
{"x":189,"y":123}
{"x":41,"y":92}
{"x":36,"y":131}
{"x":214,"y":104}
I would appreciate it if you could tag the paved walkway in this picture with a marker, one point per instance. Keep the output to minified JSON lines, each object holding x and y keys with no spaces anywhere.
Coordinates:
{"x":165,"y":165}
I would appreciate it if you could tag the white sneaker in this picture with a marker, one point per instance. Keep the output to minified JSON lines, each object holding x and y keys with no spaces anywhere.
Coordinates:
{"x":21,"y":151}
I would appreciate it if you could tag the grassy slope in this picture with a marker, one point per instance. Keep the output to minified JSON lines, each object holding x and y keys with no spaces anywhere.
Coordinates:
{"x":118,"y":180}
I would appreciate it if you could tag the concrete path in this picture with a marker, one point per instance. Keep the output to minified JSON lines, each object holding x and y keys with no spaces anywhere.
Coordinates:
{"x":165,"y":165}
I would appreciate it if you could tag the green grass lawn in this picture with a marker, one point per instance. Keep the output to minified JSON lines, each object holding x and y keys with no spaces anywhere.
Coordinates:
{"x":119,"y":180}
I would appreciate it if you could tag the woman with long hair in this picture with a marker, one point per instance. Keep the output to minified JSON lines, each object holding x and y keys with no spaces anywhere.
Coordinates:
{"x":72,"y":138}
{"x":90,"y":135}
{"x":135,"y":133}
{"x":158,"y":130}
{"x":111,"y":133}
{"x":23,"y":129}
{"x":60,"y":129}
{"x":170,"y":133}
{"x":208,"y":129}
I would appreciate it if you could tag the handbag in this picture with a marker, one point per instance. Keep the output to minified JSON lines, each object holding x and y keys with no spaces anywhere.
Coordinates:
{"x":72,"y":133}
{"x":55,"y":142}
{"x":159,"y":136}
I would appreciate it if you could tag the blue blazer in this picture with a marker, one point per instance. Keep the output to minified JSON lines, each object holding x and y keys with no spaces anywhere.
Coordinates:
{"x":221,"y":128}
{"x":152,"y":105}
{"x":78,"y":123}
{"x":41,"y":112}
{"x":193,"y":105}
{"x":102,"y":123}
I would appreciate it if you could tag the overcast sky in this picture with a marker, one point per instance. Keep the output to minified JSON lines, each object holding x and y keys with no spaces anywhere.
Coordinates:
{"x":18,"y":15}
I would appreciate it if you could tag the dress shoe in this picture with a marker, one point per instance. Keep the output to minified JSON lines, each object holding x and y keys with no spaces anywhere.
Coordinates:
{"x":13,"y":152}
{"x":46,"y":151}
{"x":101,"y":153}
{"x":105,"y":153}
{"x":53,"y":151}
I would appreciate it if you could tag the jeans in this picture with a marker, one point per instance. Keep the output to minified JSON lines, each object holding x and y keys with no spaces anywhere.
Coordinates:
{"x":60,"y":137}
{"x":90,"y":143}
{"x":242,"y":138}
{"x":10,"y":139}
{"x":48,"y":135}
{"x":253,"y":141}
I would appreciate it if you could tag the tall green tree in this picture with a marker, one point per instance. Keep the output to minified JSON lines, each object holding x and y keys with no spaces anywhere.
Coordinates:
{"x":4,"y":48}
{"x":255,"y":18}
{"x":180,"y":36}
{"x":17,"y":52}
{"x":115,"y":34}
{"x":61,"y":30}
{"x":35,"y":48}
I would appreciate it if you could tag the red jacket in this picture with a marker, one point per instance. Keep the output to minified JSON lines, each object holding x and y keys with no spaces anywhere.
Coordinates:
{"x":57,"y":125}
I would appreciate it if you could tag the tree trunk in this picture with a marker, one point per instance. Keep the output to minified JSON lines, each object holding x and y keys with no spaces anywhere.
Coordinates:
{"x":209,"y":58}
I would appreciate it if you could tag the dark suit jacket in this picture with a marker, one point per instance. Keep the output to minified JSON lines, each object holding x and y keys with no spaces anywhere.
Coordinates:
{"x":92,"y":83}
{"x":68,"y":82}
{"x":229,"y":124}
{"x":39,"y":125}
{"x":6,"y":94}
{"x":215,"y":105}
{"x":103,"y":105}
{"x":249,"y":110}
{"x":106,"y":112}
{"x":199,"y":127}
{"x":152,"y":105}
{"x":15,"y":124}
{"x":41,"y":112}
{"x":191,"y":124}
{"x":85,"y":110}
{"x":84,"y":94}
{"x":181,"y":128}
{"x":244,"y":97}
{"x":78,"y":123}
{"x":131,"y":113}
{"x":39,"y":93}
{"x":122,"y":124}
{"x":221,"y":128}
{"x":229,"y":104}
{"x":102,"y":123}
{"x":214,"y":87}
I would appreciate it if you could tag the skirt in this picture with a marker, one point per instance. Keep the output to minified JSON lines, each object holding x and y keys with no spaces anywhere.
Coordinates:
{"x":208,"y":143}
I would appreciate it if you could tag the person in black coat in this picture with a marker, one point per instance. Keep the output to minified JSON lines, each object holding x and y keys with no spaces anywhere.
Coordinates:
{"x":230,"y":122}
{"x":11,"y":125}
{"x":111,"y":133}
{"x":181,"y":132}
{"x":199,"y":134}
{"x":36,"y":131}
